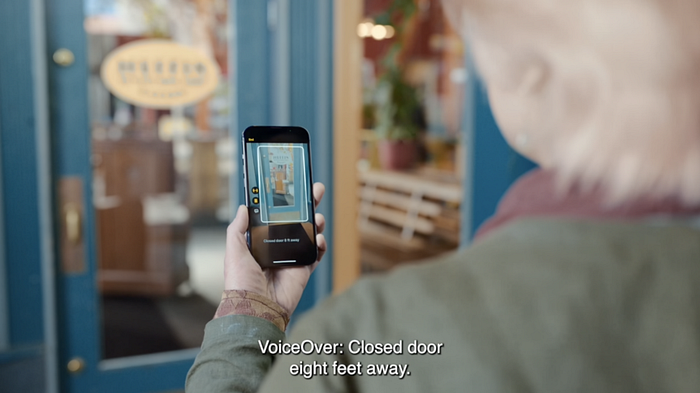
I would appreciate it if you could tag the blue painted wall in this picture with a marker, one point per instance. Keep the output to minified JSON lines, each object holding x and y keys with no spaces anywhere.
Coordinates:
{"x":310,"y":94}
{"x":311,"y":107}
{"x":493,"y":164}
{"x":19,"y":174}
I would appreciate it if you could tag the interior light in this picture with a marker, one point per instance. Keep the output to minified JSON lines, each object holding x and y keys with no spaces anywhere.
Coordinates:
{"x":390,"y":31}
{"x":364,"y":29}
{"x":379,"y":32}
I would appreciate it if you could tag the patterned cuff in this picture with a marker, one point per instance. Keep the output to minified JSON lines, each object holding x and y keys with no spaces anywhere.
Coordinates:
{"x":241,"y":302}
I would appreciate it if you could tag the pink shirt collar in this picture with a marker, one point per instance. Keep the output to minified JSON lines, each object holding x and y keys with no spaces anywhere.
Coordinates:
{"x":533,"y":195}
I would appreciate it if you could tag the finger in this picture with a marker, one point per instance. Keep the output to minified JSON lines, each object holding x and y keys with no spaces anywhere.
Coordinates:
{"x":320,"y":222}
{"x":322,"y":246}
{"x":240,"y":222}
{"x":235,"y":233}
{"x":319,"y":190}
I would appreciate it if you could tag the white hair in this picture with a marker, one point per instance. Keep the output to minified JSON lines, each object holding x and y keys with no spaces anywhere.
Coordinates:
{"x":605,"y":92}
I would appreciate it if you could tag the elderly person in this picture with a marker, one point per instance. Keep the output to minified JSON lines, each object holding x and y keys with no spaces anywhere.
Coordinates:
{"x":588,"y":276}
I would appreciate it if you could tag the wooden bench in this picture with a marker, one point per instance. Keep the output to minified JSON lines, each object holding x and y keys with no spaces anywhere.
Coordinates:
{"x":407,"y":215}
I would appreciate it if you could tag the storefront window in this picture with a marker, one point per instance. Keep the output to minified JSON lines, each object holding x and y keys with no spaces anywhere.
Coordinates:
{"x":160,"y":180}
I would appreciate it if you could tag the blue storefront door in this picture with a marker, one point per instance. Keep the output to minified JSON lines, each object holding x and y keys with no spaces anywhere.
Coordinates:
{"x":131,"y":197}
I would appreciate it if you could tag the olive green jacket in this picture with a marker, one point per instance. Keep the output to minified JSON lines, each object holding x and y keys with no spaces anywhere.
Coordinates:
{"x":538,"y":306}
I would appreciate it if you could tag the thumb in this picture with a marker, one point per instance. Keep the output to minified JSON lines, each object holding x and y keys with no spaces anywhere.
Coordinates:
{"x":240,"y":222}
{"x":235,"y":234}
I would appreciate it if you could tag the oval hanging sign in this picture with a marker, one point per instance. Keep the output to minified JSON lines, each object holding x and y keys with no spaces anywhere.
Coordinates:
{"x":159,"y":74}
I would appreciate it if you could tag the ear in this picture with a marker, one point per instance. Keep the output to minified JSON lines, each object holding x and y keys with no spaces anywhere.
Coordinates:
{"x":533,"y":77}
{"x":510,"y":66}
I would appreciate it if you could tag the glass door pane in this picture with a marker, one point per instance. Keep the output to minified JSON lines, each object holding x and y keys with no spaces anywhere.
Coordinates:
{"x":160,"y":182}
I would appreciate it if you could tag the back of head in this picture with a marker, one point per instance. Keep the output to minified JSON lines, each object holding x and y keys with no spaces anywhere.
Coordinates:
{"x":605,"y":92}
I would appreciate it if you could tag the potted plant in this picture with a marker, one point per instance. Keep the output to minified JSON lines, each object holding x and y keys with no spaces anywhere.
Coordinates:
{"x":398,"y":105}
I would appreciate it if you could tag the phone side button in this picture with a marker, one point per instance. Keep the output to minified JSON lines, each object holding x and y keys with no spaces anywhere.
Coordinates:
{"x":285,"y":261}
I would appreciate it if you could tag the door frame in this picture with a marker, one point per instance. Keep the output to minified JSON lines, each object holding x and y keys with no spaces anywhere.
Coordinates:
{"x":347,"y":115}
{"x":45,"y":204}
{"x":28,"y":312}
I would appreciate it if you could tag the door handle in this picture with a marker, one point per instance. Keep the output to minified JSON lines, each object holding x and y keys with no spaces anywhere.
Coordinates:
{"x":71,"y":213}
{"x":73,"y":223}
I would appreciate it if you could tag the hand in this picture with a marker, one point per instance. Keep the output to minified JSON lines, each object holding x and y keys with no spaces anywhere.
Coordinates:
{"x":282,"y":285}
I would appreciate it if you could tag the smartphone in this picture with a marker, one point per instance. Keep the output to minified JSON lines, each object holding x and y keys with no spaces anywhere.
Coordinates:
{"x":279,"y":196}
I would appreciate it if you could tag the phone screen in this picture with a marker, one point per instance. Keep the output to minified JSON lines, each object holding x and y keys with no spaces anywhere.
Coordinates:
{"x":280,"y":202}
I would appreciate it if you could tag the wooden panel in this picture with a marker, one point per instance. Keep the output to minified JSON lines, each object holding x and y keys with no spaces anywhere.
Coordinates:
{"x":406,"y":216}
{"x":122,"y":237}
{"x":409,"y":184}
{"x":136,"y":258}
{"x":400,"y":219}
{"x":135,"y":167}
{"x":163,"y":266}
{"x":347,"y":100}
{"x":400,"y":201}
{"x":204,"y":179}
{"x":390,"y":237}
